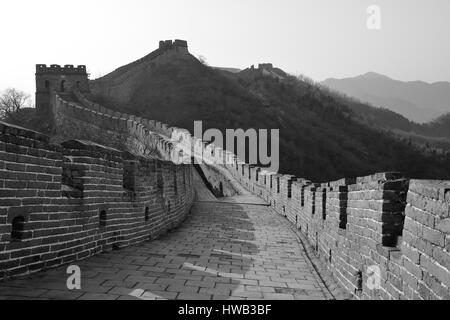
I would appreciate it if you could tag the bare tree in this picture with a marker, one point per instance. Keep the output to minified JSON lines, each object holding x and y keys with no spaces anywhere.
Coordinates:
{"x":11,"y":101}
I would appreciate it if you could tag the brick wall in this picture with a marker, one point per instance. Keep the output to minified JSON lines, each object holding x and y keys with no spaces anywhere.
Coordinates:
{"x":61,"y":203}
{"x":426,"y":240}
{"x":383,"y":222}
{"x":87,"y":120}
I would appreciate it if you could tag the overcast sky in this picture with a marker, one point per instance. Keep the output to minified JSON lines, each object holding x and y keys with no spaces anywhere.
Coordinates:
{"x":318,"y":38}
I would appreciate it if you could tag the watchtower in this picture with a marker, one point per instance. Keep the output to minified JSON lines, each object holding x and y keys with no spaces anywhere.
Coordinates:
{"x":178,"y":45}
{"x":59,"y":79}
{"x":266,"y":66}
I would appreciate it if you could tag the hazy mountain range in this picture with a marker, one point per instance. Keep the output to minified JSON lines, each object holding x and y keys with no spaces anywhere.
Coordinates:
{"x":418,"y":101}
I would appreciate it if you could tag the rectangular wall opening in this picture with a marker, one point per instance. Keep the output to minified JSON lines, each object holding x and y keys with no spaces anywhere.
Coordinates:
{"x":343,"y":198}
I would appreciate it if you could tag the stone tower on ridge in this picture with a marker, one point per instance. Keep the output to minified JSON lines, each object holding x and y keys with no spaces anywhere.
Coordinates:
{"x":58,"y":79}
{"x":178,"y":45}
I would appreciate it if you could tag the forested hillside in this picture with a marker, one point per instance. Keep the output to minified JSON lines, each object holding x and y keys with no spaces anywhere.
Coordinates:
{"x":321,"y":136}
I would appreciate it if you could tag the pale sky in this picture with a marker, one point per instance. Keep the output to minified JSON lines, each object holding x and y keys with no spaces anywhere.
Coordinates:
{"x":318,"y":38}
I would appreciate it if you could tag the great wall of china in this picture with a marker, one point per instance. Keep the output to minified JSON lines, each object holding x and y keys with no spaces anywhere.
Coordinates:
{"x":67,"y":198}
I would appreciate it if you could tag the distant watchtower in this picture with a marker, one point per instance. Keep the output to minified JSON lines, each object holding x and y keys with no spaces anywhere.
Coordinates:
{"x":266,"y":66}
{"x":60,"y":80}
{"x":178,"y":45}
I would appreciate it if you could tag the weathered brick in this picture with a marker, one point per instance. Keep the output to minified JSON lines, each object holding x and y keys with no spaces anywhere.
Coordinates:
{"x":411,"y":253}
{"x":436,"y":270}
{"x":434,"y":236}
{"x":443,"y":225}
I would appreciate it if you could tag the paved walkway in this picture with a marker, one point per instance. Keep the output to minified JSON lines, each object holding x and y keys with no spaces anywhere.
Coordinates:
{"x":224,"y":250}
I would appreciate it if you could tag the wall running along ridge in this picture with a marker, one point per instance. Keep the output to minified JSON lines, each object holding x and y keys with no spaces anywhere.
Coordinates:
{"x":70,"y":201}
{"x":61,"y":203}
{"x":64,"y":202}
{"x":90,"y":121}
{"x":385,"y":220}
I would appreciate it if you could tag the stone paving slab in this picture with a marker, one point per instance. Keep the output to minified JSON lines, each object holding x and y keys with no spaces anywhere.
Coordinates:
{"x":224,"y":250}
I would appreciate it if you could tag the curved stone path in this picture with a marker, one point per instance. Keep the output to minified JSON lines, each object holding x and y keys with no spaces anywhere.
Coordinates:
{"x":232,"y":249}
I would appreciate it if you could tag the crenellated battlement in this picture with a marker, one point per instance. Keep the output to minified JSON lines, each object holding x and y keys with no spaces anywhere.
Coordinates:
{"x":169,"y":44}
{"x":266,"y":66}
{"x":57,"y":69}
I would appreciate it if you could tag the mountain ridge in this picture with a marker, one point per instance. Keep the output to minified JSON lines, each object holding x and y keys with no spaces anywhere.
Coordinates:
{"x":419,"y":101}
{"x":319,"y":137}
{"x":374,"y":74}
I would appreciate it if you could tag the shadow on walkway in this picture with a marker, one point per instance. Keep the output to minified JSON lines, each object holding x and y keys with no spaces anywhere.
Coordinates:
{"x":225,"y":249}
